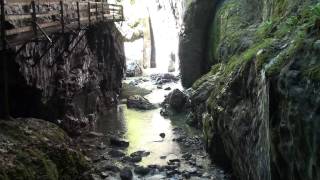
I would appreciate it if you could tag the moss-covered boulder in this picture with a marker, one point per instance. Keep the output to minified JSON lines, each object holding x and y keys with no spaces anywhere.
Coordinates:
{"x":262,"y":99}
{"x":36,"y":149}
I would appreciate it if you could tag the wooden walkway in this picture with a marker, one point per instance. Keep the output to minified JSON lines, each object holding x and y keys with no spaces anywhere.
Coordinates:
{"x":24,"y":20}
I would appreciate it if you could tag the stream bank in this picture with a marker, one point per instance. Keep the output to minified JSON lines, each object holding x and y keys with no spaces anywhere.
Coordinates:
{"x":180,"y":155}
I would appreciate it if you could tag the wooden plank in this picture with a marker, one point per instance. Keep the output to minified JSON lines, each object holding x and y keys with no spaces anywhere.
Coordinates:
{"x":29,"y":16}
{"x":29,"y":28}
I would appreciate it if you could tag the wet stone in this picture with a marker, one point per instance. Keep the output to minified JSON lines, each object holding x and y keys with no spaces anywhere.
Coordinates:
{"x":134,"y":159}
{"x":140,"y":153}
{"x":116,"y":153}
{"x":174,"y":160}
{"x":140,"y":170}
{"x":118,"y":142}
{"x":163,"y":157}
{"x":126,"y":174}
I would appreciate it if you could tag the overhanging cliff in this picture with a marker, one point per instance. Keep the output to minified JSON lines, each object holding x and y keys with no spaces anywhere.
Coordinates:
{"x":70,"y":80}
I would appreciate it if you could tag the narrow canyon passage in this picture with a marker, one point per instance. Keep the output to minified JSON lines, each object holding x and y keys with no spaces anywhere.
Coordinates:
{"x":160,"y":89}
{"x":179,"y":155}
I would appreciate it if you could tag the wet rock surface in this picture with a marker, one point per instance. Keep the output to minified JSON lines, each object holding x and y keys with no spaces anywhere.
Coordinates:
{"x":36,"y":149}
{"x":81,"y":78}
{"x":139,"y":102}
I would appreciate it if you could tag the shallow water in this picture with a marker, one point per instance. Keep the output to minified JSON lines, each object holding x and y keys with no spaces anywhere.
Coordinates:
{"x":142,"y":128}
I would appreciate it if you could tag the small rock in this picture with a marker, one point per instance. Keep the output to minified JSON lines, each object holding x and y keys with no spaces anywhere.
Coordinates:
{"x":159,"y":87}
{"x":114,"y":141}
{"x":167,"y":88}
{"x":140,"y":153}
{"x":163,"y":157}
{"x":174,"y":160}
{"x":93,"y":134}
{"x":126,"y":174}
{"x":116,"y":153}
{"x":140,"y":170}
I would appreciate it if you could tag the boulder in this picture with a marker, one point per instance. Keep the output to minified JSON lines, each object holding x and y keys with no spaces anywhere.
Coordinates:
{"x":133,"y":70}
{"x":176,"y":100}
{"x":139,"y":102}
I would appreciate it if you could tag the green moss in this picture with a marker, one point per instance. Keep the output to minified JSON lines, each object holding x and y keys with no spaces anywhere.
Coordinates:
{"x":238,"y":60}
{"x":280,"y":60}
{"x":214,"y":70}
{"x":313,"y":73}
{"x":37,"y":152}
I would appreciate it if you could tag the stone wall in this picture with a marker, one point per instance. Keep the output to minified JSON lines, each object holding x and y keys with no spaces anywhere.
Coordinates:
{"x":261,"y":113}
{"x":78,"y":76}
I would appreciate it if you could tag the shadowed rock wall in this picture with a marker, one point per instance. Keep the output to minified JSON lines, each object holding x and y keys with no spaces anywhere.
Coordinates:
{"x":259,"y":105}
{"x":79,"y":75}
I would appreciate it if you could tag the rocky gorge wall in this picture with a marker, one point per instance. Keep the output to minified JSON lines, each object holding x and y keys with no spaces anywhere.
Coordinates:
{"x":70,"y":81}
{"x":193,"y":40}
{"x":259,"y":104}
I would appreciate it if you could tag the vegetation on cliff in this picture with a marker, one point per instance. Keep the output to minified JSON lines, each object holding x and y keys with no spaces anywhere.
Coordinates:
{"x":37,"y":149}
{"x":263,"y":85}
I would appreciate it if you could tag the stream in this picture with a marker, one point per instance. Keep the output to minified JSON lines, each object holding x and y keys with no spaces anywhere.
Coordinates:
{"x":180,"y":155}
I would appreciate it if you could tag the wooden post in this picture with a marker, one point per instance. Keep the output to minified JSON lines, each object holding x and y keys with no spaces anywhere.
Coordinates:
{"x":78,"y":12}
{"x":62,"y":16}
{"x":4,"y":63}
{"x":89,"y":13}
{"x":3,"y":29}
{"x":34,"y":18}
{"x":122,"y":15}
{"x":97,"y":11}
{"x":102,"y":10}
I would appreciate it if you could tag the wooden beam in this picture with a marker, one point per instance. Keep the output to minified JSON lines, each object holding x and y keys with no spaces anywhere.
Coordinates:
{"x":89,"y":12}
{"x":78,"y":13}
{"x":62,"y":16}
{"x":34,"y":18}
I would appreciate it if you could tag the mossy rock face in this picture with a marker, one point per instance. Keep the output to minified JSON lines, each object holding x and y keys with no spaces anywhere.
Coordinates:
{"x":262,"y":96}
{"x":36,"y":149}
{"x":193,"y":40}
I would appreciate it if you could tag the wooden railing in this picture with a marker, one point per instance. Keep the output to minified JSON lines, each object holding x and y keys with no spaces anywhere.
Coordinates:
{"x":38,"y":15}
